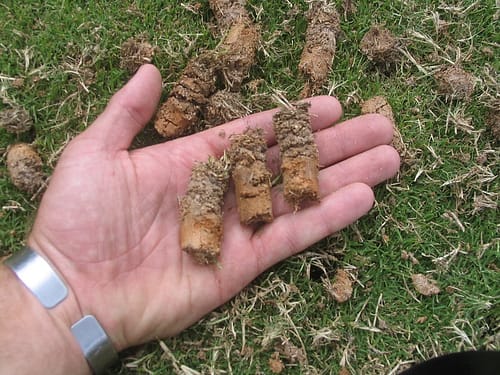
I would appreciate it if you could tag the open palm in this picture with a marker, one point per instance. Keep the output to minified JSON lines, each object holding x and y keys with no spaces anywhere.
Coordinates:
{"x":109,"y":220}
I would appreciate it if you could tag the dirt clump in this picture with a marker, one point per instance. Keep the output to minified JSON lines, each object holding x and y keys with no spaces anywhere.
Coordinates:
{"x":341,"y":287}
{"x":238,"y":53}
{"x":291,"y":352}
{"x":276,"y":365}
{"x":424,"y":285}
{"x":224,"y":106}
{"x":380,"y":105}
{"x":319,"y":50}
{"x":380,"y":46}
{"x":15,"y":120}
{"x":25,"y":167}
{"x":181,"y":112}
{"x":134,"y":52}
{"x":493,"y":120}
{"x":201,"y":211}
{"x":454,"y":82}
{"x":299,"y":154}
{"x":228,"y":12}
{"x":252,"y":179}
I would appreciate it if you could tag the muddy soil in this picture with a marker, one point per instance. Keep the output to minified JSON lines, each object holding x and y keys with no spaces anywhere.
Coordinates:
{"x":201,"y":211}
{"x":252,"y":179}
{"x":319,"y":50}
{"x":25,"y":167}
{"x":299,"y":154}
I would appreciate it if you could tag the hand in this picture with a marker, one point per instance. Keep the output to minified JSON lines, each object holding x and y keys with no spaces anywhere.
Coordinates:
{"x":109,"y":219}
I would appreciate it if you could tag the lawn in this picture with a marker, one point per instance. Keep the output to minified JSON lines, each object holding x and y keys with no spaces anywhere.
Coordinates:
{"x":60,"y":60}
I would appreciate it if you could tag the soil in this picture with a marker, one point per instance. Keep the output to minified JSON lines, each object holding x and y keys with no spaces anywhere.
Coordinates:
{"x":237,"y":53}
{"x":25,"y":167}
{"x":380,"y":46}
{"x":319,"y":50}
{"x":493,"y":121}
{"x":424,"y":285}
{"x":290,"y":352}
{"x":276,"y":365}
{"x":201,"y":211}
{"x":380,"y":105}
{"x":228,"y":12}
{"x":252,"y":179}
{"x":181,"y":112}
{"x":299,"y":154}
{"x":15,"y":120}
{"x":222,"y":107}
{"x":341,"y":287}
{"x":455,"y":83}
{"x":134,"y":52}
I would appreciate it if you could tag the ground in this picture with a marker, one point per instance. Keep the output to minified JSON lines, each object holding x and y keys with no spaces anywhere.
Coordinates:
{"x":60,"y":61}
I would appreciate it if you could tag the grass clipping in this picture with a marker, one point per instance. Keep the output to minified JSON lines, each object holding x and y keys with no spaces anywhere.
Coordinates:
{"x":299,"y":154}
{"x":201,"y":211}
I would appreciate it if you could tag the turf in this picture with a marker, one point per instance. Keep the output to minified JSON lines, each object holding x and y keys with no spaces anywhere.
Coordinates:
{"x":442,"y":207}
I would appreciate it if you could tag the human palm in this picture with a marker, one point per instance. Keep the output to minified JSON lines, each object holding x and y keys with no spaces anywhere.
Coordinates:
{"x":109,"y":220}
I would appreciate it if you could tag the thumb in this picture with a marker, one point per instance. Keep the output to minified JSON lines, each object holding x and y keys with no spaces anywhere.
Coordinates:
{"x":128,"y":111}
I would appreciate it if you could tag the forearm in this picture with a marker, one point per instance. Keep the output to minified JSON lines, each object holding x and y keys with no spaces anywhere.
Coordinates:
{"x":34,"y":340}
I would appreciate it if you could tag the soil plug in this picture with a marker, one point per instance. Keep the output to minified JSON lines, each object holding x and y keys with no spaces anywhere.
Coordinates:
{"x":380,"y":46}
{"x":25,"y":167}
{"x":15,"y":120}
{"x":201,"y":211}
{"x":252,"y":179}
{"x":181,"y":111}
{"x":299,"y":154}
{"x":224,"y":106}
{"x":238,"y":49}
{"x":319,"y":50}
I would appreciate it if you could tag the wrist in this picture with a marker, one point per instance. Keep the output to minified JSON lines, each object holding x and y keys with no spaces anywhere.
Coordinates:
{"x":31,"y":331}
{"x":85,"y":295}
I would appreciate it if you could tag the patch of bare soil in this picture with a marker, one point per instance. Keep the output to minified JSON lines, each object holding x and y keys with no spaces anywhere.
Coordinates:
{"x":134,"y":52}
{"x":319,"y":50}
{"x":493,"y":121}
{"x":341,"y":287}
{"x":380,"y":46}
{"x":380,"y":105}
{"x":181,"y":112}
{"x":299,"y":154}
{"x":201,"y":211}
{"x":222,"y":107}
{"x":15,"y":120}
{"x":455,"y":83}
{"x":425,"y":285}
{"x":252,"y":179}
{"x":25,"y":167}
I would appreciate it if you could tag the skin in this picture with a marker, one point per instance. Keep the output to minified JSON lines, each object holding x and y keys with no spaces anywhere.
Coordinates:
{"x":109,"y":223}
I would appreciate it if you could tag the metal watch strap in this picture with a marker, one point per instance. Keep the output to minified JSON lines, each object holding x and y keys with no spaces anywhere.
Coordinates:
{"x":40,"y":278}
{"x":95,"y":344}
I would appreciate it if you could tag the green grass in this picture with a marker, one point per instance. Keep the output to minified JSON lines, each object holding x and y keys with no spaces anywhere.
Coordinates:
{"x":58,"y":47}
